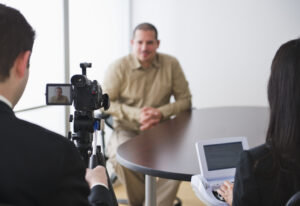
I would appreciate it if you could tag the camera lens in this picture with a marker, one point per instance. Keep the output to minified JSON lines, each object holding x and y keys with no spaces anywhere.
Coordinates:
{"x":78,"y":80}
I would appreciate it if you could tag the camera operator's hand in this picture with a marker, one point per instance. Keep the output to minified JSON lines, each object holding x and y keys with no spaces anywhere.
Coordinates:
{"x":149,"y":117}
{"x":96,"y":176}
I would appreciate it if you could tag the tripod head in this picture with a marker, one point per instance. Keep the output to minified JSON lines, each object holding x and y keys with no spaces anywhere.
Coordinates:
{"x":84,"y":124}
{"x":85,"y":128}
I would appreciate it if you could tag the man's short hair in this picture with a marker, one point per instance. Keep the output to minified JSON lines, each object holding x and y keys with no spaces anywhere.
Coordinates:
{"x":146,"y":26}
{"x":16,"y":36}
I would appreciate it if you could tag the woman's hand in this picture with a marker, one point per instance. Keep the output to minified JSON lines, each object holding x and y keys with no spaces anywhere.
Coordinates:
{"x":226,"y":191}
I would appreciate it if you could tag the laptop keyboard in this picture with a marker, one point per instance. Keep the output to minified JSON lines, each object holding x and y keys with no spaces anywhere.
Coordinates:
{"x":218,"y":196}
{"x":216,"y":186}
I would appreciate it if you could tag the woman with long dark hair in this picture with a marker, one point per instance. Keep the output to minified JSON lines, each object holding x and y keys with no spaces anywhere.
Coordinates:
{"x":270,"y":174}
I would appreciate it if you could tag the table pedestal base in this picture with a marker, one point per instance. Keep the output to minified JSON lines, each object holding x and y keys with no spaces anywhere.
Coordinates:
{"x":150,"y":186}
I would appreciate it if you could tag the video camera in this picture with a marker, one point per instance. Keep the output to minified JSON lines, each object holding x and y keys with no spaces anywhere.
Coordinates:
{"x":87,"y":94}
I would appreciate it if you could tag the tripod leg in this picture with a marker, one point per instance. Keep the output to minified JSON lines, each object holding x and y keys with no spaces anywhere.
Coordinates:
{"x":102,"y":162}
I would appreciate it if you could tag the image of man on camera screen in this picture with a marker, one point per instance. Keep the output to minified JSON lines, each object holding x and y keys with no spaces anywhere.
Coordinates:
{"x":58,"y":97}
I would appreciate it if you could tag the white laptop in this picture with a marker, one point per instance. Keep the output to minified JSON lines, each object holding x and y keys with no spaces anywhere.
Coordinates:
{"x":217,"y":161}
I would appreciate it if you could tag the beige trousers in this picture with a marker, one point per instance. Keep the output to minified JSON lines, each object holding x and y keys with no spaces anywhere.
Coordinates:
{"x":134,"y":182}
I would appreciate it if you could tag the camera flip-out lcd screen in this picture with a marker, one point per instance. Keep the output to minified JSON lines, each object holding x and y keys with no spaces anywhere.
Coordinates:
{"x":59,"y":94}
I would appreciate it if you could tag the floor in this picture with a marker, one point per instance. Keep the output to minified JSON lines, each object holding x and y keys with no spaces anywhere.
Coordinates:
{"x":185,"y":193}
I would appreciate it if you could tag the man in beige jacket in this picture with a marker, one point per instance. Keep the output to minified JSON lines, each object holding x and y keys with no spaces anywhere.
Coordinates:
{"x":140,"y":86}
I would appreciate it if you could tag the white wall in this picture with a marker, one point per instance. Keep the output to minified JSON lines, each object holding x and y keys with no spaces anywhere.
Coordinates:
{"x":99,"y":33}
{"x":224,"y":47}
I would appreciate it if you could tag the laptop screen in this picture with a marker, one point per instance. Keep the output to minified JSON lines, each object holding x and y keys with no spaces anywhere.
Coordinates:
{"x":222,"y":156}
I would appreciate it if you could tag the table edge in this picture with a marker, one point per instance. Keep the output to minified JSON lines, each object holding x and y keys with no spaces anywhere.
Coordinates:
{"x":152,"y":172}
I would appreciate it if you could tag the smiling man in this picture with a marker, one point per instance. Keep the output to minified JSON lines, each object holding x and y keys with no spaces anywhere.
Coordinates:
{"x":140,"y":86}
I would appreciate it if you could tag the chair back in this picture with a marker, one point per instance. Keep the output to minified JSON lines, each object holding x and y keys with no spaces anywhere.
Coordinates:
{"x":108,"y":119}
{"x":294,"y":200}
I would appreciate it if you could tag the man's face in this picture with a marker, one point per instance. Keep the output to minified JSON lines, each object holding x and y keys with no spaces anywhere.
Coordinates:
{"x":58,"y":92}
{"x":144,"y":45}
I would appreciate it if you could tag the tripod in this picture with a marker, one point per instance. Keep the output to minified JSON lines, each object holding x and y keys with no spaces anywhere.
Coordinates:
{"x":85,"y":128}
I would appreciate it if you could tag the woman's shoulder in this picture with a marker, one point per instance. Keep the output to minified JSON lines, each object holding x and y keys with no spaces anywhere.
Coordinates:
{"x":258,"y":158}
{"x":259,"y":151}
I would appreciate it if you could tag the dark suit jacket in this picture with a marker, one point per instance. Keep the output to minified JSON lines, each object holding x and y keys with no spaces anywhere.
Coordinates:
{"x":40,"y":167}
{"x":256,"y":184}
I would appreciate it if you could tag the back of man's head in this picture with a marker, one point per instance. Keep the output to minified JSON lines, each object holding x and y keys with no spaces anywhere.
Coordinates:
{"x":16,"y":36}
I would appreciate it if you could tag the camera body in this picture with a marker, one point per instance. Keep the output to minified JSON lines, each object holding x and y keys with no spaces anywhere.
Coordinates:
{"x":86,"y":94}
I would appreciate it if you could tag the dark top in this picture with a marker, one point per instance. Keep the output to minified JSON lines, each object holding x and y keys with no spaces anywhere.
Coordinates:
{"x":257,"y":184}
{"x":40,"y":167}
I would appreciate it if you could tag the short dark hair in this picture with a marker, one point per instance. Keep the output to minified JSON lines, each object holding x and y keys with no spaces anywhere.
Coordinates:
{"x":146,"y":26}
{"x":283,"y":134}
{"x":16,"y":36}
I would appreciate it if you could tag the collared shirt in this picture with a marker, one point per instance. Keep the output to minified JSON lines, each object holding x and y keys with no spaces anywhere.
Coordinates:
{"x":131,"y":87}
{"x":5,"y":100}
